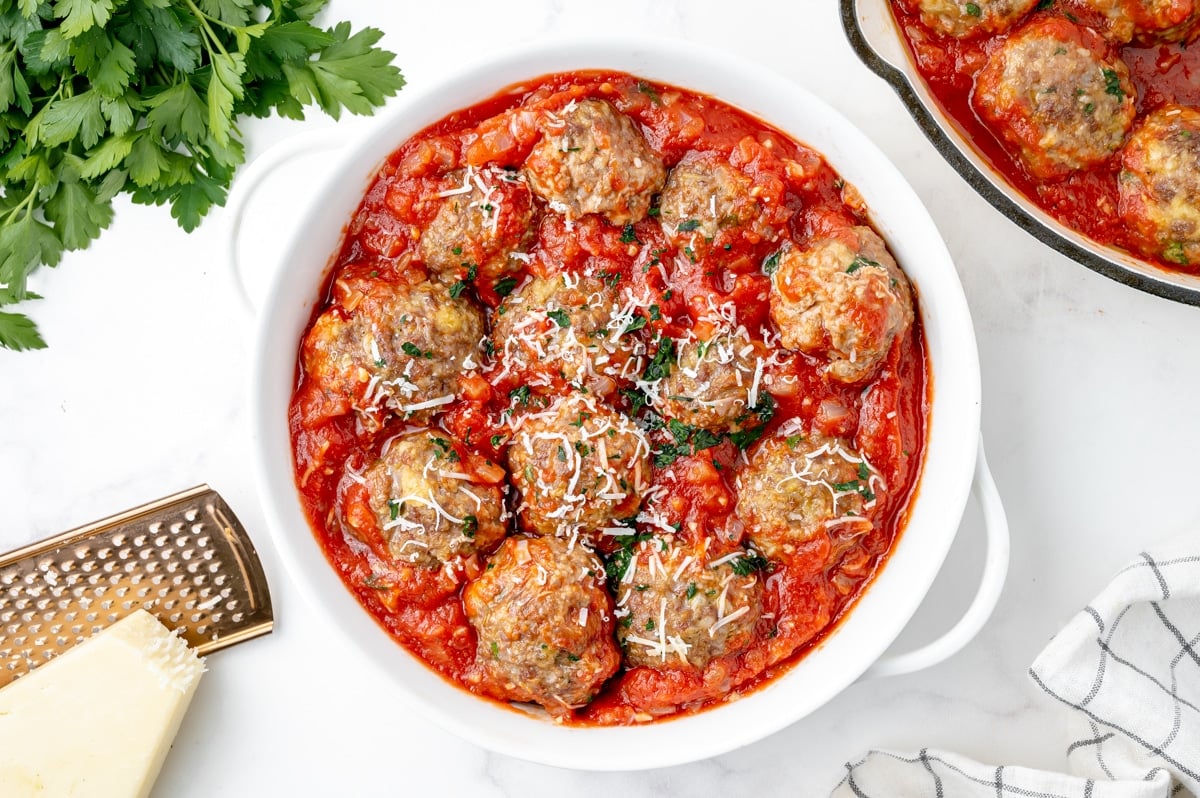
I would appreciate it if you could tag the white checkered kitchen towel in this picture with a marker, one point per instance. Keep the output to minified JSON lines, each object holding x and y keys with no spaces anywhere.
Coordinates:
{"x":1126,"y":668}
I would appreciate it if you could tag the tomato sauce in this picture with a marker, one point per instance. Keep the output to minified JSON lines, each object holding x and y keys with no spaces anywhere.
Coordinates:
{"x":886,"y":419}
{"x":1085,"y":200}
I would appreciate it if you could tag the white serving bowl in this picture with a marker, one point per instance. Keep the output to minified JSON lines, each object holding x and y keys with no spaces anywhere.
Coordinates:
{"x":884,"y":608}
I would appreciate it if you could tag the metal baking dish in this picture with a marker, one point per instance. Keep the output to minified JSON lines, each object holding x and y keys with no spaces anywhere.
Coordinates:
{"x":879,"y":43}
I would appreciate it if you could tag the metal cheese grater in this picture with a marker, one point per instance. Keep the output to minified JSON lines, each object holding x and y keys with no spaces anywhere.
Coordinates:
{"x":185,"y":558}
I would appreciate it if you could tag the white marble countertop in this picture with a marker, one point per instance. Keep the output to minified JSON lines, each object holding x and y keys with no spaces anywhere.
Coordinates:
{"x":1089,"y":411}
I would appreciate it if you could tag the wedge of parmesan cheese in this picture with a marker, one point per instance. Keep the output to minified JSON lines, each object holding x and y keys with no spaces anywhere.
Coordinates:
{"x":98,"y":720}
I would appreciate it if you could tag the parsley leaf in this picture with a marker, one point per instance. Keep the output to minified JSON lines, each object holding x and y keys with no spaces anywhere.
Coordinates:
{"x":560,"y":317}
{"x":145,"y":97}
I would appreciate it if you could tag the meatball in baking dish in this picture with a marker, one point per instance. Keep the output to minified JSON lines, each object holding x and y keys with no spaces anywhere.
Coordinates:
{"x":484,"y":217}
{"x":1056,"y":92}
{"x":431,"y":501}
{"x":577,"y":463}
{"x":712,"y":381}
{"x":592,"y":159}
{"x":705,"y":198}
{"x":965,"y":18}
{"x":1159,"y":184}
{"x":675,"y":609}
{"x":798,"y":488}
{"x":1149,"y":22}
{"x":543,"y":621}
{"x":569,"y":328}
{"x":844,"y":299}
{"x":386,"y":347}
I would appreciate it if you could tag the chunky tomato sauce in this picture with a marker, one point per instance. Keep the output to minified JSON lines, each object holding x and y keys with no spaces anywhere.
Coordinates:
{"x":806,"y":596}
{"x":1085,"y":200}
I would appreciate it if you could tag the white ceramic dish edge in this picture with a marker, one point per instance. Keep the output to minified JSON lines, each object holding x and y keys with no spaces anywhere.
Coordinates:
{"x":896,"y":592}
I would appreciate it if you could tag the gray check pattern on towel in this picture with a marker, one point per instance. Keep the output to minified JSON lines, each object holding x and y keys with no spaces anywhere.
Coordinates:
{"x":1127,"y":672}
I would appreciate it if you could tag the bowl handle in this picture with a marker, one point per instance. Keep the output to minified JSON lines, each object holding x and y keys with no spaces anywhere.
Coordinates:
{"x":991,"y":584}
{"x":248,"y":183}
{"x":878,"y":51}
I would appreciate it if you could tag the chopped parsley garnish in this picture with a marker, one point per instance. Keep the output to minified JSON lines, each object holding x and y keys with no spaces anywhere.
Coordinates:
{"x":457,"y":250}
{"x":505,"y":285}
{"x":771,"y":263}
{"x":1112,"y":84}
{"x":637,"y":400}
{"x":974,"y":10}
{"x":687,"y":226}
{"x":412,"y":350}
{"x":649,"y":624}
{"x":655,"y":313}
{"x":691,"y":590}
{"x":629,"y":235}
{"x":748,"y":564}
{"x":562,"y":453}
{"x":495,"y":647}
{"x":637,"y":323}
{"x":521,"y":394}
{"x":617,"y":563}
{"x":648,"y":90}
{"x":583,"y":416}
{"x":560,"y":317}
{"x":470,"y":526}
{"x":792,"y":440}
{"x":393,"y":508}
{"x":583,"y":449}
{"x":660,"y":365}
{"x":863,"y":471}
{"x":497,"y":441}
{"x":1175,"y":253}
{"x":860,"y":261}
{"x":691,"y":254}
{"x":465,"y":283}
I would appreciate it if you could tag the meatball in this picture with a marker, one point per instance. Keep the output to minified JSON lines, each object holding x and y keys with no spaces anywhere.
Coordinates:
{"x":578,"y":463}
{"x":1150,"y":22}
{"x":844,"y":299}
{"x":385,"y":346}
{"x":1053,"y":91}
{"x":591,"y":159}
{"x":676,"y":610}
{"x":798,"y":488}
{"x":705,"y":197}
{"x":1160,"y":185}
{"x":433,"y":501}
{"x":963,"y":19}
{"x":544,"y":624}
{"x":712,"y":382}
{"x":481,"y":223}
{"x":570,"y":328}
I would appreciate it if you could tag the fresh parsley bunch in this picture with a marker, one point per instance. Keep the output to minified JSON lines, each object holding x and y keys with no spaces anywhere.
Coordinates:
{"x":100,"y":97}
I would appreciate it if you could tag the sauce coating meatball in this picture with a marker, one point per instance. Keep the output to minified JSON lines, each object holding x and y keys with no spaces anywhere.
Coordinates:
{"x":482,"y":221}
{"x":1160,"y":184}
{"x":544,"y":624}
{"x":432,"y":501}
{"x":568,"y":328}
{"x":674,"y":609}
{"x":798,"y":488}
{"x":578,"y":463}
{"x":711,"y":382}
{"x":844,"y":299}
{"x":964,"y":18}
{"x":706,"y":199}
{"x":390,"y":347}
{"x":591,"y":159}
{"x":1056,"y":92}
{"x":1150,"y":22}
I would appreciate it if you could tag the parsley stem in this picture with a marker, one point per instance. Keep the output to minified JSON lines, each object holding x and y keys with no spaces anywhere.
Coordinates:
{"x":25,"y":202}
{"x":210,"y":34}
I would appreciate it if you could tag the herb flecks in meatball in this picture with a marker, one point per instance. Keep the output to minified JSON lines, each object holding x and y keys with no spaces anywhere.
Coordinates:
{"x":798,"y":487}
{"x":842,"y":298}
{"x":966,"y":18}
{"x":569,"y":328}
{"x":544,"y":624}
{"x":676,"y":609}
{"x":1159,"y":185}
{"x":485,"y":218}
{"x":393,"y":348}
{"x":592,"y":159}
{"x":577,"y":463}
{"x":433,"y":501}
{"x":1055,"y":92}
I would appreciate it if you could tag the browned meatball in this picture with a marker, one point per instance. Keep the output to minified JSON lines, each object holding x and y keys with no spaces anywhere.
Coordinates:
{"x":843,"y":298}
{"x":966,"y":18}
{"x":712,"y":383}
{"x":705,"y":198}
{"x":568,"y":328}
{"x":674,"y":609}
{"x":797,"y":488}
{"x":1150,"y":22}
{"x":544,"y":624}
{"x":578,"y":463}
{"x":387,"y":347}
{"x":1160,"y":184}
{"x":591,"y":159}
{"x":483,"y":219}
{"x":1055,"y":92}
{"x":432,"y":501}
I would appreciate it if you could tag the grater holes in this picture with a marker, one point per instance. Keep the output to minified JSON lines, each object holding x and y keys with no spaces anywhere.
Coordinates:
{"x":190,"y":514}
{"x":104,"y":553}
{"x":175,"y":616}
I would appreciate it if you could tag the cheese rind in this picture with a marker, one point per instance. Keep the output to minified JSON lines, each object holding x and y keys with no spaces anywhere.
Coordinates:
{"x":98,"y":720}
